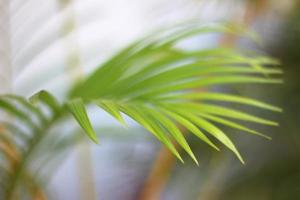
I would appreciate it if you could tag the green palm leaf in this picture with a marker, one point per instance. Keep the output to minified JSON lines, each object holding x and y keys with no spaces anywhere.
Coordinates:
{"x":77,"y":108}
{"x":160,"y":86}
{"x":157,"y":84}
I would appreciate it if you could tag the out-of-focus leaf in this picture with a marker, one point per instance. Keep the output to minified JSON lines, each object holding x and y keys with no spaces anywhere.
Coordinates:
{"x":22,"y":101}
{"x":47,"y":99}
{"x":15,"y":112}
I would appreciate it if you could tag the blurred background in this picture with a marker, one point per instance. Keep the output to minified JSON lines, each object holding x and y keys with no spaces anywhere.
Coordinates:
{"x":50,"y":44}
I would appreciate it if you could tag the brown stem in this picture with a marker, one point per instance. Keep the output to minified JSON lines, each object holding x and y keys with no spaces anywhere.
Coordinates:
{"x":158,"y":176}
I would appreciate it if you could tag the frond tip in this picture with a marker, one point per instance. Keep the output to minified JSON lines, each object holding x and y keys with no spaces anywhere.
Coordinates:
{"x":77,"y":108}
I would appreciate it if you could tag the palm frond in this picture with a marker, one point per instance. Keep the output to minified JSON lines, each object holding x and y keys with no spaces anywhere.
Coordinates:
{"x":23,"y":133}
{"x":160,"y":85}
{"x":156,"y":83}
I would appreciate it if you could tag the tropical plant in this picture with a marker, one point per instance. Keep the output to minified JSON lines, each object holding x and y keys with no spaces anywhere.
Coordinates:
{"x":154,"y":81}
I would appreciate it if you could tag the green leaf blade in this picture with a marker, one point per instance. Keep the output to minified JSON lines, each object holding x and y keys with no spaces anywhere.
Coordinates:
{"x":77,"y":109}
